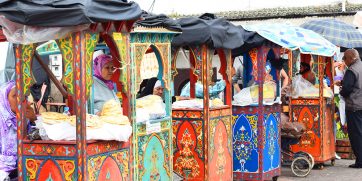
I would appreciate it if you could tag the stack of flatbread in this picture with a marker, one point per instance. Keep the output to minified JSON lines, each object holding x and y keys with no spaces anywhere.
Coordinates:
{"x":53,"y":117}
{"x":93,"y":121}
{"x":112,"y":113}
{"x":111,"y":107}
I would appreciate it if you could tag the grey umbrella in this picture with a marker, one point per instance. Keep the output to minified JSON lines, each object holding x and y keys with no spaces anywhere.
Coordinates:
{"x":339,"y":33}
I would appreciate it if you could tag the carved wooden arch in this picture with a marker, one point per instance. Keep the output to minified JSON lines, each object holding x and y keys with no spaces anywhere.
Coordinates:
{"x":226,"y":64}
{"x":118,"y":46}
{"x":161,"y":51}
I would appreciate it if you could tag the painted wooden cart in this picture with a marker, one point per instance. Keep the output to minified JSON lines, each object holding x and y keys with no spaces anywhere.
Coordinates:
{"x":256,"y":128}
{"x":152,"y":142}
{"x":202,"y":137}
{"x":315,"y":113}
{"x":70,"y":160}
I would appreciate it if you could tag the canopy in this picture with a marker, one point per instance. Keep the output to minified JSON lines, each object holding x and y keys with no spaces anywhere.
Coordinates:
{"x":207,"y":29}
{"x":339,"y":33}
{"x":153,"y":20}
{"x":292,"y":37}
{"x":68,"y":12}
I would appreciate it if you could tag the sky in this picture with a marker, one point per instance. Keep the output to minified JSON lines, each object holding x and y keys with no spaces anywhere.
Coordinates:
{"x":212,"y":6}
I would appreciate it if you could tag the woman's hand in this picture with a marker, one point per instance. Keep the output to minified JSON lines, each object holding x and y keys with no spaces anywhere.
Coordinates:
{"x":30,"y":114}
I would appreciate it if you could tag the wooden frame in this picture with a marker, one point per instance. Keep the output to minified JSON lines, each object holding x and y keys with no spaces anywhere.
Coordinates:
{"x":256,"y":129}
{"x":315,"y":113}
{"x":69,"y":160}
{"x":202,"y":137}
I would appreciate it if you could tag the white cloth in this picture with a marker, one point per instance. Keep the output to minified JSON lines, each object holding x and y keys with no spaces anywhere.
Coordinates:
{"x":193,"y":103}
{"x":65,"y":131}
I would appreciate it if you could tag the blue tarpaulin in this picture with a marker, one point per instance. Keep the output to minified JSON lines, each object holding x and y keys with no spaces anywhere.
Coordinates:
{"x":293,"y":37}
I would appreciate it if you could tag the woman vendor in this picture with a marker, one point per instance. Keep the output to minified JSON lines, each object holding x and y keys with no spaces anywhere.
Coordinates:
{"x":103,"y":85}
{"x":8,"y":136}
{"x":153,"y":86}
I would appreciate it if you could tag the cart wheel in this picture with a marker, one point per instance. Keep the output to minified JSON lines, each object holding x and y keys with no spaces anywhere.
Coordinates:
{"x":301,"y":166}
{"x":275,"y":178}
{"x":333,"y":162}
{"x":309,"y":156}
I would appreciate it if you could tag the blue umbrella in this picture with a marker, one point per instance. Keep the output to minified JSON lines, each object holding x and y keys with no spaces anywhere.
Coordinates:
{"x":337,"y":32}
{"x":293,"y":37}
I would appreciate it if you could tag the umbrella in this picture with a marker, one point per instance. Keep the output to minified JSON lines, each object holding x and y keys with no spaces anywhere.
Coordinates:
{"x":337,"y":32}
{"x":293,"y":37}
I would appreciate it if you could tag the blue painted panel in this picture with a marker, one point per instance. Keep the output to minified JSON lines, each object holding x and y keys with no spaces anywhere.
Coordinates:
{"x":245,"y":144}
{"x":271,"y":152}
{"x":154,"y":160}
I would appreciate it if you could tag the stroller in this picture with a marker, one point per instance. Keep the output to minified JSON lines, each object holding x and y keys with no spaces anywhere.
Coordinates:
{"x":301,"y":162}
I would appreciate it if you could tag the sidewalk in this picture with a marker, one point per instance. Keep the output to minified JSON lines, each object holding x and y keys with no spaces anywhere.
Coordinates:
{"x":339,"y":172}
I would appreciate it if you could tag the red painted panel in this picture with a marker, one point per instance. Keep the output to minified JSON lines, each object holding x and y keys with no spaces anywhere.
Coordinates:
{"x":110,"y":171}
{"x":50,"y":171}
{"x":186,"y":160}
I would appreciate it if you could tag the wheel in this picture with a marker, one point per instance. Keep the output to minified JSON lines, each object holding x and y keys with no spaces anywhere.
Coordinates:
{"x":307,"y":155}
{"x":333,"y":162}
{"x":275,"y":178}
{"x":301,"y":166}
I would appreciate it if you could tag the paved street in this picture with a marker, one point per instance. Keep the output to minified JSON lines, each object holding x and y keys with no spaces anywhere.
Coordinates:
{"x":339,"y":172}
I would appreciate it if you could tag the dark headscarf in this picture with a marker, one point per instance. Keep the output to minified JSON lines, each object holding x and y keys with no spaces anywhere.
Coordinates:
{"x":148,"y":90}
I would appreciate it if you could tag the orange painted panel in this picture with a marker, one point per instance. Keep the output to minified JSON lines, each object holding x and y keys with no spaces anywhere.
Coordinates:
{"x":221,"y":164}
{"x":309,"y":142}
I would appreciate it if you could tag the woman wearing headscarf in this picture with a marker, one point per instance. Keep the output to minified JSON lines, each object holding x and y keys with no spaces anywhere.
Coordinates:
{"x":154,"y":87}
{"x":103,"y":85}
{"x":8,"y":127}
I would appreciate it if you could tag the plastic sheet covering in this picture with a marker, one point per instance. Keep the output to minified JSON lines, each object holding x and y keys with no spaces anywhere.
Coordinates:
{"x":58,"y":13}
{"x":250,"y":95}
{"x":303,"y":88}
{"x":214,"y":90}
{"x":161,"y":20}
{"x":207,"y":29}
{"x":23,"y":34}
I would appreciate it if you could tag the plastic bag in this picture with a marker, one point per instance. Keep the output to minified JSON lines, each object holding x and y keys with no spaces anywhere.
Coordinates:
{"x":243,"y":98}
{"x":302,"y":88}
{"x":199,"y":92}
{"x":23,"y":34}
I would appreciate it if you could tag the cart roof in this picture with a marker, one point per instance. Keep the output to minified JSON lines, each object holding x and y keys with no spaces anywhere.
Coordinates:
{"x":59,"y":13}
{"x":213,"y":31}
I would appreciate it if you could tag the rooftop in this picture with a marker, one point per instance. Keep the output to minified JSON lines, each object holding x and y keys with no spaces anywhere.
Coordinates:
{"x":291,"y":12}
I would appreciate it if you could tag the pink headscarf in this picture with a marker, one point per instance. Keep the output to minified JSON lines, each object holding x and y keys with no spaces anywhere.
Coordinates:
{"x":98,"y":64}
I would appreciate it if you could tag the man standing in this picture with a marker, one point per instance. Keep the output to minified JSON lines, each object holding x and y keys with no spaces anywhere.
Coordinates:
{"x":352,"y":92}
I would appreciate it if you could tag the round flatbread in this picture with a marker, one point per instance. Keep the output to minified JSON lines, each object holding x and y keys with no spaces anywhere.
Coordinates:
{"x":111,"y":107}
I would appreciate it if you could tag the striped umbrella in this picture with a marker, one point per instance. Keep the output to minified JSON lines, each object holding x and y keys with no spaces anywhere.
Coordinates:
{"x":337,"y":32}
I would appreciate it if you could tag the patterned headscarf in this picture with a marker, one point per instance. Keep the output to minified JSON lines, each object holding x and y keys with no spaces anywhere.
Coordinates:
{"x":8,"y":139}
{"x":98,"y":64}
